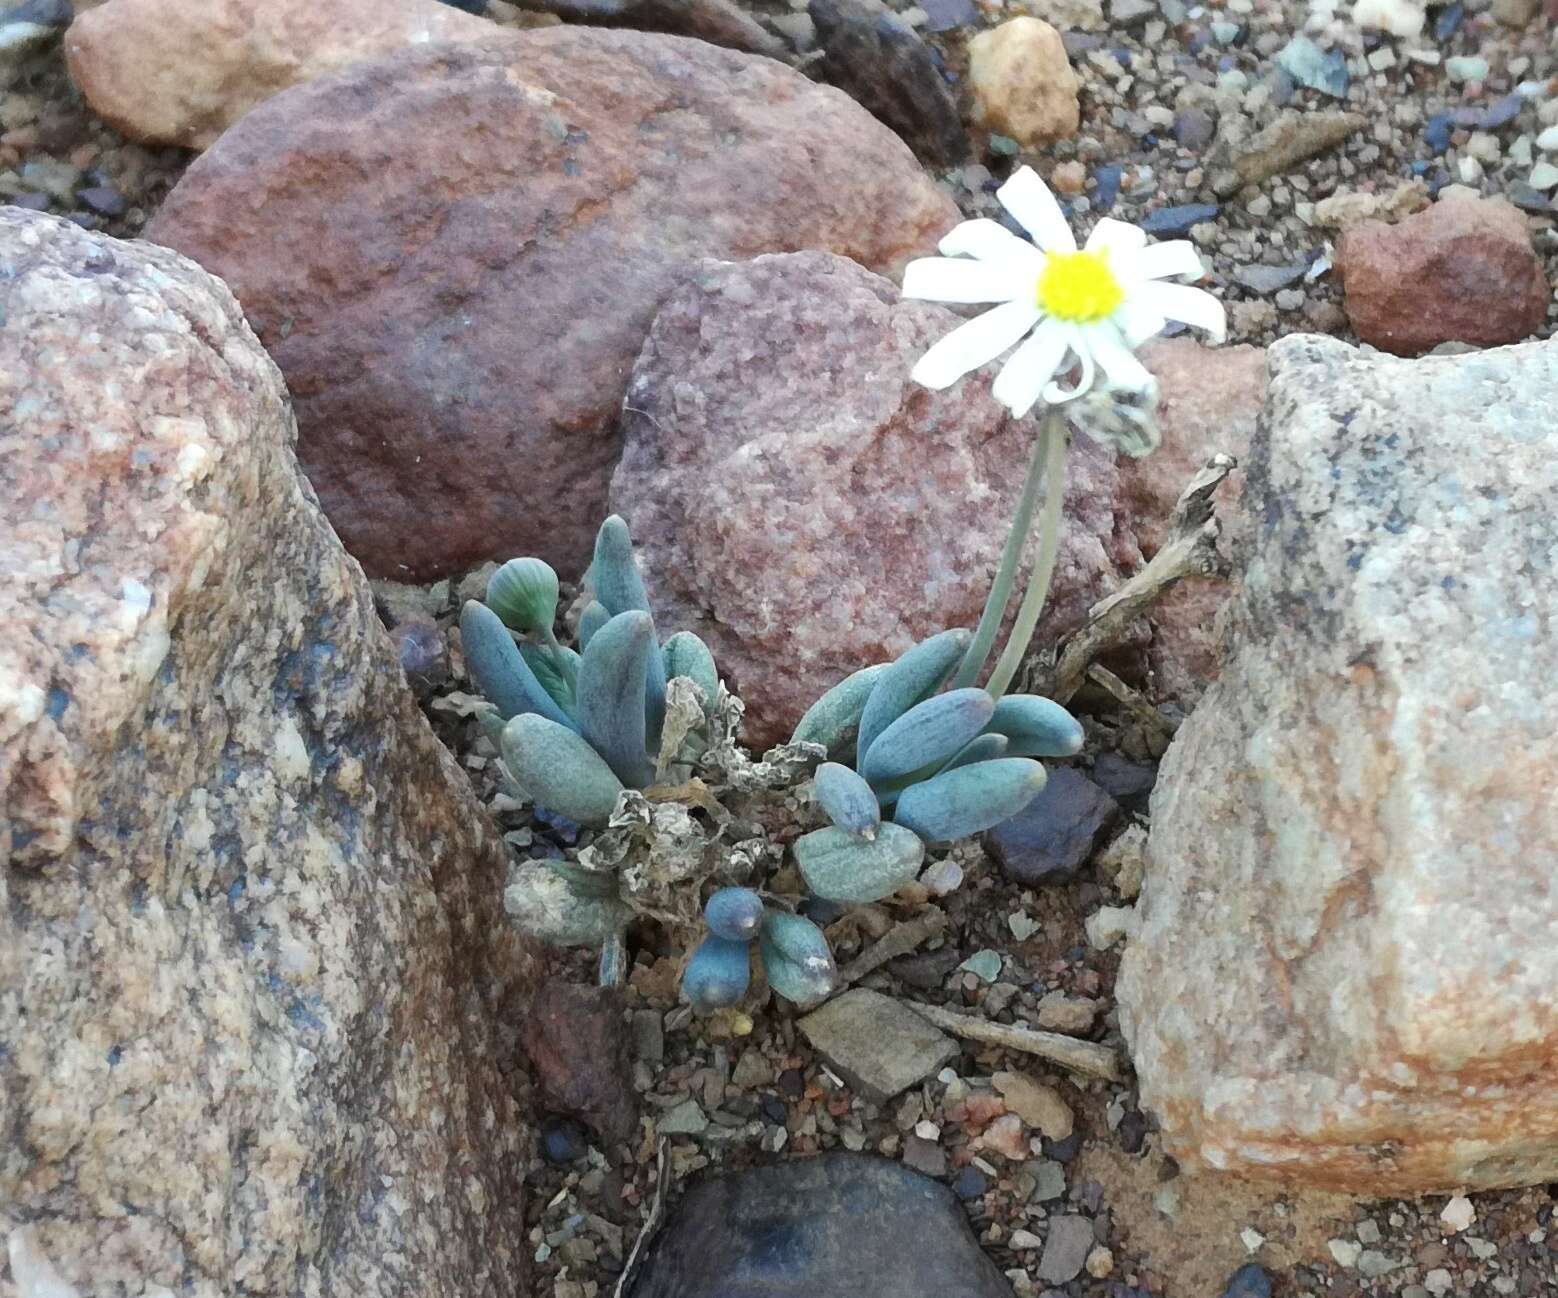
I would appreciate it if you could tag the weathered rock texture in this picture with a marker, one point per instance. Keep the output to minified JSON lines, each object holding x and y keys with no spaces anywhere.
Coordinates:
{"x":1461,"y":271}
{"x":250,"y":942}
{"x":1211,"y":400}
{"x":457,"y":315}
{"x":183,"y":71}
{"x":1349,"y":941}
{"x":804,"y":506}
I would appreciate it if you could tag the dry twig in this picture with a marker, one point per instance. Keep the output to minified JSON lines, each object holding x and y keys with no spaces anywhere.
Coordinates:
{"x":1085,"y":1057}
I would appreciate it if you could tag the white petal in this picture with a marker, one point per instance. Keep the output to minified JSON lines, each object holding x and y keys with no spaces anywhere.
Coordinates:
{"x":1030,"y":367}
{"x":1114,"y":236}
{"x":1137,"y":322}
{"x":1115,"y":359}
{"x":973,"y":343}
{"x":1028,"y":198}
{"x":958,"y":279}
{"x":1193,"y":306}
{"x":990,"y":241}
{"x":1177,"y":257}
{"x":1057,"y":395}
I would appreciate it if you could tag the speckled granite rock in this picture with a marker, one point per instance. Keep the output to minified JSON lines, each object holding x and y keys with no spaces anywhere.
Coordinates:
{"x":836,"y":1226}
{"x":803,"y":506}
{"x":1345,"y":967}
{"x":251,"y":943}
{"x":183,"y":71}
{"x":457,"y":315}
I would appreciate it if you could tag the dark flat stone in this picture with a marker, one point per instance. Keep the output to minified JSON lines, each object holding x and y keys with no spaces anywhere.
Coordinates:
{"x":838,"y":1226}
{"x":1178,"y":220}
{"x":1053,"y":836}
{"x":1249,"y":1281}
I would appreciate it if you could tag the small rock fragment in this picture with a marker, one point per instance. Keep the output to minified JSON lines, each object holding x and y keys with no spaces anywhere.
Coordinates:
{"x":1022,"y":82}
{"x":1070,"y":1014}
{"x":1069,"y":1241}
{"x":1053,"y":836}
{"x":1249,"y":1281}
{"x":877,"y":1045}
{"x":1292,"y":138}
{"x":1109,"y":924}
{"x":1458,"y":1214}
{"x":1039,"y":1106}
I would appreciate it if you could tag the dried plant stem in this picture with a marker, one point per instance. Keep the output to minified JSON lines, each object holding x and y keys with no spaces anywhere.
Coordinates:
{"x":1086,"y":1057}
{"x":1055,"y":438}
{"x":1006,"y":574}
{"x":900,"y":940}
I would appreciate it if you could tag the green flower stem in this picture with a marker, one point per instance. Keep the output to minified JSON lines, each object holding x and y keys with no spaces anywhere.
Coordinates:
{"x":1055,"y":439}
{"x":1006,"y":574}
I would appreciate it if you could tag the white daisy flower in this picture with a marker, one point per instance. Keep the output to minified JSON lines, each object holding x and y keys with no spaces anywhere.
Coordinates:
{"x":1098,"y":304}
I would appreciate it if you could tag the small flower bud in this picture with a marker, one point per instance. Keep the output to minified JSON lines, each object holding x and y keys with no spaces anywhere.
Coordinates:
{"x":523,"y":592}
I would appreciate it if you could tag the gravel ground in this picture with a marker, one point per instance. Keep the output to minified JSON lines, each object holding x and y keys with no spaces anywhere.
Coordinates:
{"x":1168,"y":90}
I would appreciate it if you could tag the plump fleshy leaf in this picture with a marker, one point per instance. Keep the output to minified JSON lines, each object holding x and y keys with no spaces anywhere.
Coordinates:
{"x":686,"y":655}
{"x":611,"y":695}
{"x":928,"y":734}
{"x":617,"y":583}
{"x":913,"y":678}
{"x":834,"y":718}
{"x":1036,"y":727}
{"x":718,"y":974}
{"x":984,"y":748}
{"x":847,"y":799}
{"x":523,"y":592}
{"x":500,"y":670}
{"x":796,"y":958}
{"x":559,"y":769}
{"x":970,"y":799}
{"x":590,"y":621}
{"x":735,"y":914}
{"x":838,"y":866}
{"x":557,"y":670}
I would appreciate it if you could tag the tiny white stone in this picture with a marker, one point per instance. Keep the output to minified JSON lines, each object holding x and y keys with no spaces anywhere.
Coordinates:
{"x":1544,"y":175}
{"x":1252,"y":1239}
{"x":1458,"y":1214}
{"x":1548,"y":140}
{"x":1345,"y":1251}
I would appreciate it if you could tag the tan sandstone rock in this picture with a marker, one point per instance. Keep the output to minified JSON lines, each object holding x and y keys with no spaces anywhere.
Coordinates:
{"x":457,"y":311}
{"x":1022,"y":82}
{"x":1348,"y":939}
{"x":251,"y":948}
{"x":183,"y":71}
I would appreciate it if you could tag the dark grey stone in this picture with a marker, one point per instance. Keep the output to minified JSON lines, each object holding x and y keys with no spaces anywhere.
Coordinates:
{"x":877,"y":59}
{"x":1051,"y":839}
{"x":1128,"y":783}
{"x":1066,"y":1246}
{"x":838,"y":1226}
{"x":1249,"y":1281}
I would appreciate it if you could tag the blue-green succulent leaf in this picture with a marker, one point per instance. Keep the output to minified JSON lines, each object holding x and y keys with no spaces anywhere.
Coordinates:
{"x":927,"y":734}
{"x":617,"y":583}
{"x":686,"y":655}
{"x":559,"y":769}
{"x":735,"y":914}
{"x":590,"y":621}
{"x":557,"y":670}
{"x":796,"y":958}
{"x":611,"y":695}
{"x":718,"y":974}
{"x":1036,"y":727}
{"x":838,"y":866}
{"x":523,"y":592}
{"x":847,"y":799}
{"x":970,"y":799}
{"x":985,"y":748}
{"x":834,"y":718}
{"x":500,"y":670}
{"x":913,"y":678}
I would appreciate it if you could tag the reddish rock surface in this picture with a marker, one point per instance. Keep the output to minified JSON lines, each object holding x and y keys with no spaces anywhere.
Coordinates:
{"x":804,"y":506}
{"x":1461,"y":271}
{"x":578,"y":1046}
{"x":254,"y":969}
{"x":1211,"y":400}
{"x":183,"y":71}
{"x":454,"y":255}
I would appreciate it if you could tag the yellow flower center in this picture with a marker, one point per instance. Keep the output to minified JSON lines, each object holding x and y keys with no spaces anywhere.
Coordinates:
{"x":1079,"y":286}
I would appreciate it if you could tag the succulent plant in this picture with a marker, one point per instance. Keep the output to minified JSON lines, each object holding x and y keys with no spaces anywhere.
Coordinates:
{"x":579,"y":727}
{"x":910,"y":766}
{"x":795,"y":955}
